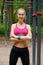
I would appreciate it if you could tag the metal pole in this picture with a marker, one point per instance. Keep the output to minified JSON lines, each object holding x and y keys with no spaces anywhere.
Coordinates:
{"x":34,"y":33}
{"x":6,"y":22}
{"x":39,"y":34}
{"x":10,"y":10}
{"x":28,"y":11}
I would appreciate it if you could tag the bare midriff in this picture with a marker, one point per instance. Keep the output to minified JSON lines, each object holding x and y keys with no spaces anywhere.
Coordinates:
{"x":20,"y":44}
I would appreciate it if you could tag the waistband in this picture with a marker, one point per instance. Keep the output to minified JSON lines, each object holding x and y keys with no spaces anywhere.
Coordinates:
{"x":20,"y":48}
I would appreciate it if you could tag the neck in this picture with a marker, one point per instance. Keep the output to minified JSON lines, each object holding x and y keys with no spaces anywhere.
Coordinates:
{"x":20,"y":22}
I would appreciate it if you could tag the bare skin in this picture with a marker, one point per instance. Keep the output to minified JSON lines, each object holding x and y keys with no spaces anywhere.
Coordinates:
{"x":22,"y":42}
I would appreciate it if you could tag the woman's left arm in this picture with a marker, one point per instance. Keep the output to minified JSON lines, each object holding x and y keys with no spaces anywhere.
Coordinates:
{"x":29,"y":35}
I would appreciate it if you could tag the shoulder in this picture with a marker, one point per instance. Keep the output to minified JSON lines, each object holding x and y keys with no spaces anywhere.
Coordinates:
{"x":28,"y":26}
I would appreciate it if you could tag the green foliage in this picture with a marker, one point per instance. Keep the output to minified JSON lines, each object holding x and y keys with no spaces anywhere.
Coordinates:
{"x":0,"y":3}
{"x":42,"y":15}
{"x":37,"y":30}
{"x":42,"y":31}
{"x":42,"y":22}
{"x":2,"y":29}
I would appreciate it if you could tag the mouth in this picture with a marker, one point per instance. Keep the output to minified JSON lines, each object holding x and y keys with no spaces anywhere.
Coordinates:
{"x":21,"y":18}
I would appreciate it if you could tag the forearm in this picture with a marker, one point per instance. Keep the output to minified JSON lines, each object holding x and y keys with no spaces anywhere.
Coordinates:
{"x":22,"y":37}
{"x":13,"y":39}
{"x":26,"y":37}
{"x":16,"y":39}
{"x":13,"y":36}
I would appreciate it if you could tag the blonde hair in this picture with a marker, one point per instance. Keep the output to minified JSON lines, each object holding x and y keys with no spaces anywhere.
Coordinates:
{"x":24,"y":13}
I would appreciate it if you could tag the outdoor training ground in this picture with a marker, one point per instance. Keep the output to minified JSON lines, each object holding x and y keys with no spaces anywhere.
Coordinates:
{"x":5,"y":50}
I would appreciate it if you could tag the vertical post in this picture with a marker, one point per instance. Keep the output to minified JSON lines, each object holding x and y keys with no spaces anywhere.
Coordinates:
{"x":10,"y":10}
{"x":39,"y":33}
{"x":6,"y":21}
{"x":28,"y":11}
{"x":34,"y":32}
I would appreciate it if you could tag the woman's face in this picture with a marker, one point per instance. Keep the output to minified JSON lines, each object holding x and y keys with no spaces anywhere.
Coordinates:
{"x":21,"y":15}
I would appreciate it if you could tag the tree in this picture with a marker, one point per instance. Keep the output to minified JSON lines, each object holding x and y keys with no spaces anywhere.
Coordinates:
{"x":2,"y":7}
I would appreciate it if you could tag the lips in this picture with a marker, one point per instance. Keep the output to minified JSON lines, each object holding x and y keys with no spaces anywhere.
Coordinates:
{"x":21,"y":18}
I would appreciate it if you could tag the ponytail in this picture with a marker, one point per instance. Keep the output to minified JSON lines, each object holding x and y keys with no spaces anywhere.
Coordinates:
{"x":24,"y":20}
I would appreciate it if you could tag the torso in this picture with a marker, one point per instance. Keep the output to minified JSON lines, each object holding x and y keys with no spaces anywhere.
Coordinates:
{"x":21,"y":44}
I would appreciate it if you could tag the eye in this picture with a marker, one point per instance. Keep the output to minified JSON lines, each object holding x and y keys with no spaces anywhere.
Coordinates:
{"x":21,"y":14}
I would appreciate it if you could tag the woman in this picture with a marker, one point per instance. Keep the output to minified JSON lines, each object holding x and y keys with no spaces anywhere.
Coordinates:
{"x":20,"y":33}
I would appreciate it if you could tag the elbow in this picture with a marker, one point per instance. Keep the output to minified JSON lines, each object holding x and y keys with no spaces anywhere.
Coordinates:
{"x":30,"y":38}
{"x":10,"y":39}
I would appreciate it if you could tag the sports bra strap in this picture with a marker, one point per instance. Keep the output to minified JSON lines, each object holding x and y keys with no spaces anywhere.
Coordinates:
{"x":17,"y":26}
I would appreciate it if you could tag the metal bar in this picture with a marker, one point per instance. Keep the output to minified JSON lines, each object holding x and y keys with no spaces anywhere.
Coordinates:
{"x":39,"y":35}
{"x":17,"y":3}
{"x":10,"y":3}
{"x":14,"y":1}
{"x":28,"y":11}
{"x":6,"y":22}
{"x":34,"y":33}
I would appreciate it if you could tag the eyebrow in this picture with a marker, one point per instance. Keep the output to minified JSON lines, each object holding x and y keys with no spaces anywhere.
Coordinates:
{"x":21,"y":14}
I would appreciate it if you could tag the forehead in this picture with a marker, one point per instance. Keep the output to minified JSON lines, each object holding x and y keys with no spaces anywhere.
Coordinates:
{"x":21,"y":11}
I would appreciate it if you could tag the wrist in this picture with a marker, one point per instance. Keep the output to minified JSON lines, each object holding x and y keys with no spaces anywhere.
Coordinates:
{"x":19,"y":37}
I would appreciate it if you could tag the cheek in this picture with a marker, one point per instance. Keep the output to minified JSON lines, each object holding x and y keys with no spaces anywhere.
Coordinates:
{"x":24,"y":17}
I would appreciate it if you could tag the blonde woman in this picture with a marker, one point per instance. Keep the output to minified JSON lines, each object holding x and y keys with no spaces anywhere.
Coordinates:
{"x":20,"y":33}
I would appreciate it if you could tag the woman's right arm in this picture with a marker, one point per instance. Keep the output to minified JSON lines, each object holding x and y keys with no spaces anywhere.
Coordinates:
{"x":12,"y":35}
